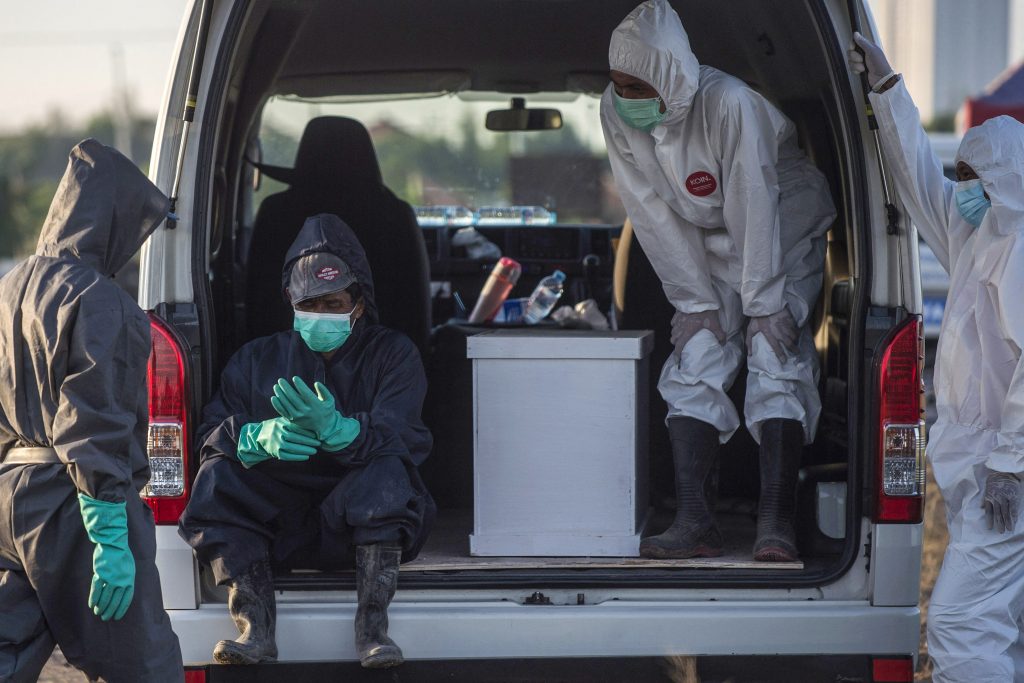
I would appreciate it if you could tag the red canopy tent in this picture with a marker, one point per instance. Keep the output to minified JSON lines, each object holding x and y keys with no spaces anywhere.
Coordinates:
{"x":1004,"y":95}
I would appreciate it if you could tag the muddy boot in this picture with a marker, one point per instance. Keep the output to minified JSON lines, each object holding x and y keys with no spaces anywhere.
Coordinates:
{"x":782,"y":444}
{"x":252,"y":606}
{"x":693,"y":533}
{"x":376,"y":581}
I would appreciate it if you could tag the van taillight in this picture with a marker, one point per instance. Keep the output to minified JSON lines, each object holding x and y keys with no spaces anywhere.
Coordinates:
{"x":900,"y":464}
{"x":892,"y":669}
{"x":167,"y":442}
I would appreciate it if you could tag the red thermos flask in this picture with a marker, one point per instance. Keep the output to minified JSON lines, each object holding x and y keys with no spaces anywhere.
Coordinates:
{"x":499,"y":283}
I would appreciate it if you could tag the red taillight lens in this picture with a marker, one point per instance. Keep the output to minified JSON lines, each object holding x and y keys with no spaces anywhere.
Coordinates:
{"x":900,"y":465}
{"x":892,"y":670}
{"x":167,"y":442}
{"x":195,"y":675}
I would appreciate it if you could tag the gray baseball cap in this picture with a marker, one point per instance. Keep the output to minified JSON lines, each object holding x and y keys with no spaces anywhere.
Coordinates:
{"x":318,"y":274}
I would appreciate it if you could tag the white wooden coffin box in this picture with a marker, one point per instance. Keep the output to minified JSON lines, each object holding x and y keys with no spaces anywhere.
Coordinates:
{"x":560,"y":442}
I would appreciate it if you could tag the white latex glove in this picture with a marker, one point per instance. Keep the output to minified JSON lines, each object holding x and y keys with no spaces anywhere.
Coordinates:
{"x":873,"y":60}
{"x":685,"y":325}
{"x":1001,"y":500}
{"x":779,"y":330}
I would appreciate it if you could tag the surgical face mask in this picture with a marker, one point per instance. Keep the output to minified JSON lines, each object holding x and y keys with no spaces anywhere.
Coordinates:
{"x":971,"y":200}
{"x":640,"y":114}
{"x":323,"y":332}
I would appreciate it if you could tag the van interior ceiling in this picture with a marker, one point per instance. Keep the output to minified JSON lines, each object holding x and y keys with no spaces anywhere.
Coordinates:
{"x":345,"y":50}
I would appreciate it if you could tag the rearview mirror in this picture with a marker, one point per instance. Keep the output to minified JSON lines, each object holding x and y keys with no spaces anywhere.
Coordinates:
{"x":521,"y":118}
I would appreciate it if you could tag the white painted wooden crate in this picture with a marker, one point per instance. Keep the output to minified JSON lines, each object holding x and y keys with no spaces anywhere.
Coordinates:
{"x":560,"y":442}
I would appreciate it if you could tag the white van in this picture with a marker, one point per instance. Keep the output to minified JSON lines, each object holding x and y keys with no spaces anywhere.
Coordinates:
{"x":421,"y":76}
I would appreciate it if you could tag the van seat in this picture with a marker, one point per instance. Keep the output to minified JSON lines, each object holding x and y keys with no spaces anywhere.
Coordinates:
{"x":336,"y":171}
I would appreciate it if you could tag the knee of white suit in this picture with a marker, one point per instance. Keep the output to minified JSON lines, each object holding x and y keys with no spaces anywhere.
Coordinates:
{"x":973,"y":617}
{"x":786,"y":390}
{"x":694,"y":382}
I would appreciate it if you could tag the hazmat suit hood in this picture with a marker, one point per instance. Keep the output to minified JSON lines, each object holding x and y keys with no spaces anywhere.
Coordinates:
{"x":326,"y":232}
{"x":73,"y":344}
{"x":995,"y":150}
{"x":651,"y":44}
{"x":103,"y":210}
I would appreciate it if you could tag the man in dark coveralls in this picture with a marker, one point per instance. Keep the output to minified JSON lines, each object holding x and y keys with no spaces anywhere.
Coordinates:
{"x":77,"y":544}
{"x":310,"y":449}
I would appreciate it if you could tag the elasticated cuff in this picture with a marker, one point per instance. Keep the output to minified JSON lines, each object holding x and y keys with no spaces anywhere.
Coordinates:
{"x":104,"y":522}
{"x":342,"y":432}
{"x":249,"y":451}
{"x":1008,"y":456}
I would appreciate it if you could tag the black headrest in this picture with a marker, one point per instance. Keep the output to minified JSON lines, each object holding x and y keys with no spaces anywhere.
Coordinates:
{"x":335,"y":152}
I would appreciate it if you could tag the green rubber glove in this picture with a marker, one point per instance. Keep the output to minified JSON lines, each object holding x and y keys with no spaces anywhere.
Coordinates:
{"x":295,"y":401}
{"x":275,"y":438}
{"x":113,"y":567}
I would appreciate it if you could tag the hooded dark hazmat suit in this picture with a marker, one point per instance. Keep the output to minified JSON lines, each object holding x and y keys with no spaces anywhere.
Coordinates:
{"x":311,"y":514}
{"x":73,"y":354}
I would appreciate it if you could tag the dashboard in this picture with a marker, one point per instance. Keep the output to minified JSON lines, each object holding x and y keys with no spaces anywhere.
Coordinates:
{"x":585,"y":253}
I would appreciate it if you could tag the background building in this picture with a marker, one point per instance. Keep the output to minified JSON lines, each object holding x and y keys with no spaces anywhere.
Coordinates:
{"x":948,"y":50}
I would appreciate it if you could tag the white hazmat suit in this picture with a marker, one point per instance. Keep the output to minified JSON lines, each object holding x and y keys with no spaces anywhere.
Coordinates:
{"x":974,"y":620}
{"x":732,"y":216}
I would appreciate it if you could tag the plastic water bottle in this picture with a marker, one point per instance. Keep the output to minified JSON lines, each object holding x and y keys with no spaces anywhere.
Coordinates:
{"x":544,"y":297}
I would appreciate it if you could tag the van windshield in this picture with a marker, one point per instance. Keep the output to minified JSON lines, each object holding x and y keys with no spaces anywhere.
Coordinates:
{"x":435,"y":153}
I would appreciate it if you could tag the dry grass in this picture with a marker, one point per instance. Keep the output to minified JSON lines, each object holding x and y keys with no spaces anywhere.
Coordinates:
{"x":682,"y":669}
{"x":935,"y":539}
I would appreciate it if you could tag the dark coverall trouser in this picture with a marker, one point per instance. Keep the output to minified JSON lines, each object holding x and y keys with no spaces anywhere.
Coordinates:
{"x":45,"y":577}
{"x":299,"y":515}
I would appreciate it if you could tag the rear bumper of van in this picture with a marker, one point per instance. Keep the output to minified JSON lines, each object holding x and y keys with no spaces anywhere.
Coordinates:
{"x":763,"y":669}
{"x":503,"y":630}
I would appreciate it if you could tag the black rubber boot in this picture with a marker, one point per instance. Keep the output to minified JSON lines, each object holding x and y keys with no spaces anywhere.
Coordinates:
{"x":782,"y":443}
{"x":376,"y":581}
{"x":252,"y":606}
{"x":693,"y":533}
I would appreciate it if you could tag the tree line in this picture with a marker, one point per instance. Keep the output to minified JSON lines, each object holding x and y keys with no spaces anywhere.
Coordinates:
{"x":32,"y":161}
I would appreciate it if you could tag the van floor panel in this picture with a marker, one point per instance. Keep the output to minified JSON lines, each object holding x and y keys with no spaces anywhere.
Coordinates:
{"x":447,"y":549}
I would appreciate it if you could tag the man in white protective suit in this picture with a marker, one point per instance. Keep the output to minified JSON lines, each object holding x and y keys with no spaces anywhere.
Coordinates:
{"x":732,"y":216}
{"x":976,"y":447}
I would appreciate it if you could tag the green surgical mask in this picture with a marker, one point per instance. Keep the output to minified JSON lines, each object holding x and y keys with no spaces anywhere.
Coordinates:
{"x":640,"y":114}
{"x":323,"y":332}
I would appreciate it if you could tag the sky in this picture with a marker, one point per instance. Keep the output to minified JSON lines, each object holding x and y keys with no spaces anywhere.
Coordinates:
{"x":64,"y":54}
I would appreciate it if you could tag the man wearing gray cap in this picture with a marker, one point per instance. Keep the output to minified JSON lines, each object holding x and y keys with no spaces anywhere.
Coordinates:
{"x":310,"y":449}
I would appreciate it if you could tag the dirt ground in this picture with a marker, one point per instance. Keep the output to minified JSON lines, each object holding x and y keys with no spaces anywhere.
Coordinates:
{"x":57,"y":670}
{"x":935,"y":538}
